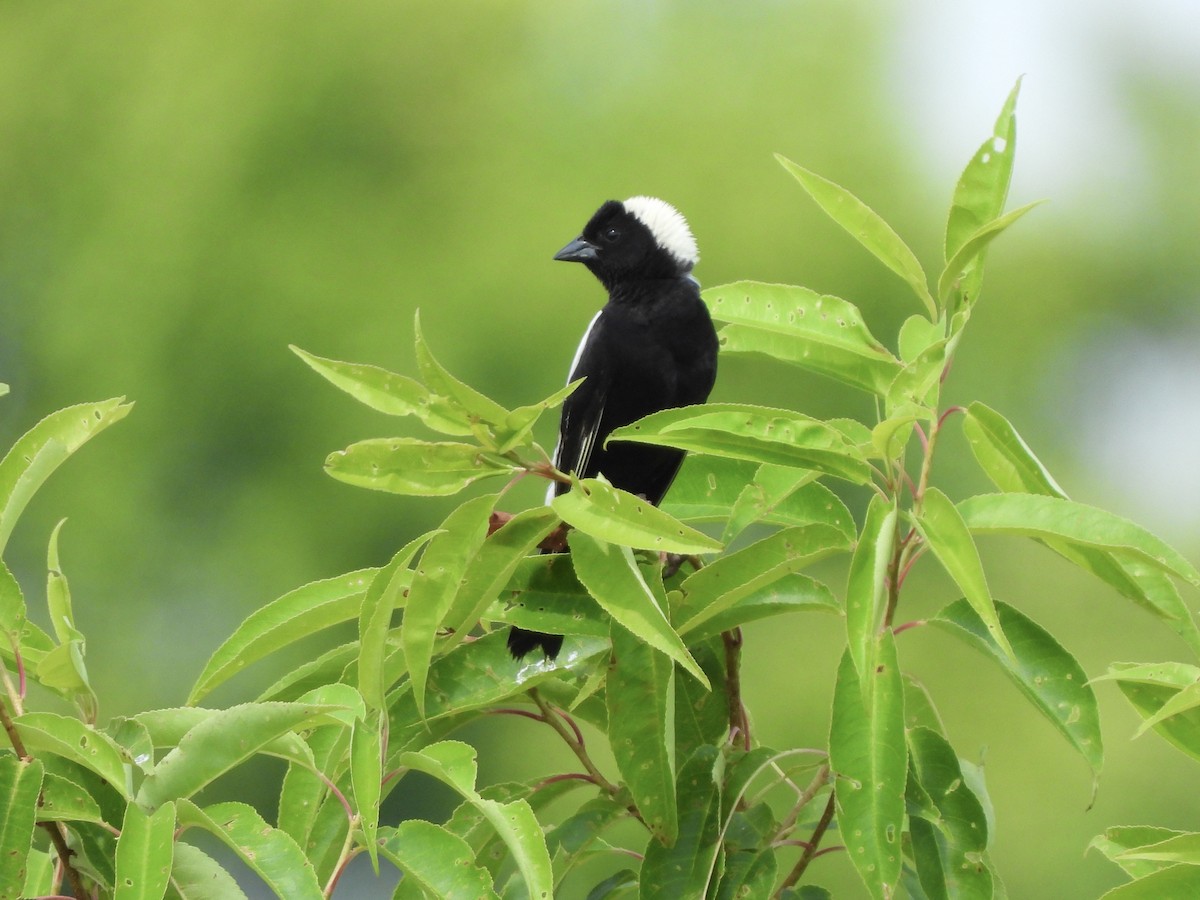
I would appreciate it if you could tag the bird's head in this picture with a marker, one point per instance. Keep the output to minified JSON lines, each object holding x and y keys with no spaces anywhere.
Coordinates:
{"x":641,"y":238}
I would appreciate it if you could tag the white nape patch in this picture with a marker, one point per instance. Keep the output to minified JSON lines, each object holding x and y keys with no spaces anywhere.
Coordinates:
{"x":669,"y":227}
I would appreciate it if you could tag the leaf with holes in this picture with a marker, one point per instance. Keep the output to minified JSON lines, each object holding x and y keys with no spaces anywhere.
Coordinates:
{"x":20,"y":783}
{"x":145,"y":851}
{"x":595,"y":507}
{"x":414,"y":467}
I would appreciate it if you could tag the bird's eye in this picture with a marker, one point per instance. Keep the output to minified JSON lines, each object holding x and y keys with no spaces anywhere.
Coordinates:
{"x":611,"y":233}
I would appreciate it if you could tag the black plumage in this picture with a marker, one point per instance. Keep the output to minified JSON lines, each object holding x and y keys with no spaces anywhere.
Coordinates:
{"x":652,"y":347}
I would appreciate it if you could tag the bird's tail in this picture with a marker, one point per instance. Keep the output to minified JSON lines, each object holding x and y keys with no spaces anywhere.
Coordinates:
{"x":521,"y":642}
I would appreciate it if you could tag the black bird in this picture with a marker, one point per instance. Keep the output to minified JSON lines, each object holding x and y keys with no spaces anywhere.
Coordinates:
{"x":652,"y":347}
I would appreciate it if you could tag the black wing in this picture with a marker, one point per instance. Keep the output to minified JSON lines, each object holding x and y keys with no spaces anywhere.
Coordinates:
{"x":583,"y":411}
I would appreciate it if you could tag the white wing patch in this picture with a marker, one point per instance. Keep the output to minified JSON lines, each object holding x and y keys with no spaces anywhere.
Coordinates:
{"x":669,"y":227}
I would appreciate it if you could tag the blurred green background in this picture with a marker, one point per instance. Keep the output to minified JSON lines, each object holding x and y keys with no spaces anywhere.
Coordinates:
{"x":185,"y":189}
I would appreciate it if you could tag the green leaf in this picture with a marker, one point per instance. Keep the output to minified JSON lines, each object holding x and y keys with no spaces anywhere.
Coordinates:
{"x":1054,"y":518}
{"x":707,"y":487}
{"x":545,"y":595}
{"x":73,"y":740}
{"x":20,"y":783}
{"x":386,"y":392}
{"x":44,"y":448}
{"x":1186,"y":700}
{"x":144,"y":853}
{"x":304,"y":790}
{"x":967,"y":259}
{"x":784,"y":496}
{"x":1148,"y":688}
{"x":1046,"y":673}
{"x":366,"y":777}
{"x":1179,"y":848}
{"x":414,"y":467}
{"x":269,"y":852}
{"x":866,"y":585}
{"x":39,"y":871}
{"x":1120,"y":838}
{"x":612,"y":577}
{"x":64,"y":801}
{"x":473,"y":407}
{"x":197,"y":876}
{"x":961,"y":837}
{"x":296,"y":615}
{"x":865,"y":226}
{"x":453,"y":763}
{"x":597,"y":508}
{"x":917,"y":335}
{"x":792,"y":593}
{"x":206,"y":751}
{"x":1179,"y":881}
{"x":1004,"y":456}
{"x":375,"y":619}
{"x":492,"y":568}
{"x":918,"y":385}
{"x":1007,"y":460}
{"x":982,"y":190}
{"x":736,"y":576}
{"x":821,"y":333}
{"x":436,"y":580}
{"x":641,"y":729}
{"x":753,"y":433}
{"x":948,"y":537}
{"x":12,"y":610}
{"x":868,"y":754}
{"x":685,"y":867}
{"x":518,"y":427}
{"x":440,"y":862}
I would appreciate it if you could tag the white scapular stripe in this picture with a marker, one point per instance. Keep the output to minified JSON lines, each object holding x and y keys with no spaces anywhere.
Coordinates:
{"x":669,"y":227}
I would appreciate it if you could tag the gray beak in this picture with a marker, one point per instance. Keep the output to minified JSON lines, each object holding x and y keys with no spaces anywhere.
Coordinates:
{"x":578,"y":250}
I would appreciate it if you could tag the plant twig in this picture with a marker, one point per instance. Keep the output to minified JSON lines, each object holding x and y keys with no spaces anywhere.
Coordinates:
{"x":739,"y":722}
{"x":568,"y":734}
{"x":810,"y":850}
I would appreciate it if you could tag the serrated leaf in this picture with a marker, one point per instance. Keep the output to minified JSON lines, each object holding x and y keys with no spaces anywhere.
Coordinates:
{"x":641,"y":730}
{"x":1115,"y":841}
{"x":784,"y":496}
{"x":1046,"y":673}
{"x":12,"y":610}
{"x":735,"y":576}
{"x":1003,"y":454}
{"x":73,"y":740}
{"x":918,"y":384}
{"x":866,"y":585}
{"x":917,"y":335}
{"x":518,"y":426}
{"x":269,"y":852}
{"x":64,"y":801}
{"x":544,"y":594}
{"x":453,"y":763}
{"x":304,"y":790}
{"x":707,"y":487}
{"x":386,"y":392}
{"x":607,"y":513}
{"x":792,"y":593}
{"x":43,"y":448}
{"x":473,"y":407}
{"x":145,"y":851}
{"x":866,"y":227}
{"x":366,"y":776}
{"x":948,"y":537}
{"x":435,"y":581}
{"x":1179,"y":881}
{"x":1179,"y":848}
{"x":375,"y":619}
{"x":967,"y":259}
{"x":20,"y":782}
{"x":982,"y":190}
{"x":414,"y":467}
{"x":295,"y":615}
{"x":794,"y":324}
{"x":612,"y":577}
{"x":684,"y":867}
{"x":1148,"y":688}
{"x":1053,"y":518}
{"x":492,"y":568}
{"x":753,"y":433}
{"x":440,"y":862}
{"x":868,"y":754}
{"x":961,"y":837}
{"x":206,"y":752}
{"x":197,"y":876}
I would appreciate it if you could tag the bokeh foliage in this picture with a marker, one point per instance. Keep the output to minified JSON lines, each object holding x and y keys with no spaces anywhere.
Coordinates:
{"x":184,"y":192}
